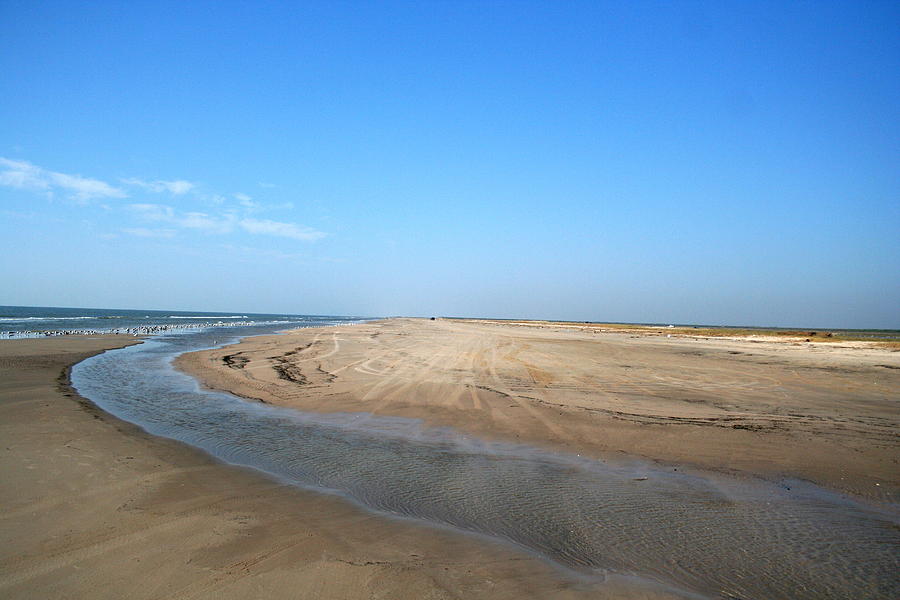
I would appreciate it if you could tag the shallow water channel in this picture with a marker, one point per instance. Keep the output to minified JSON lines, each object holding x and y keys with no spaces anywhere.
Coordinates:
{"x":705,"y":534}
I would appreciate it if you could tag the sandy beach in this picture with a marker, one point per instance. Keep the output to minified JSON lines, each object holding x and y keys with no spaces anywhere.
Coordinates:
{"x":449,"y":300}
{"x":95,"y":508}
{"x":777,"y":409}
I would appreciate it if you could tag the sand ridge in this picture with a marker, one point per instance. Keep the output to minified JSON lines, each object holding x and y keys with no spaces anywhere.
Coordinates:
{"x":827,"y":413}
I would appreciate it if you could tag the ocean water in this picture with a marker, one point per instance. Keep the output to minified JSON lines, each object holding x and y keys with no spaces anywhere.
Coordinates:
{"x":706,"y":535}
{"x":30,"y":321}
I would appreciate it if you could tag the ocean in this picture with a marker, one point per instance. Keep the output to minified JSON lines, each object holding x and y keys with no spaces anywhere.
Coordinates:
{"x":42,"y":321}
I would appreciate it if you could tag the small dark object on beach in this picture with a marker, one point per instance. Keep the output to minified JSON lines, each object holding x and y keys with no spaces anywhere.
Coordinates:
{"x":432,"y":318}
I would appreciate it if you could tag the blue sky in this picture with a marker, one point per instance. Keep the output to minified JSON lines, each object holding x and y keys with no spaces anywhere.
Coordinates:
{"x":721,"y":162}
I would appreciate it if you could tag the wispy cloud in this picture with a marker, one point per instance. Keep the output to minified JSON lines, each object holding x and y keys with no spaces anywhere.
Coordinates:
{"x":185,"y":220}
{"x":225,"y":216}
{"x":21,"y":174}
{"x":205,"y":222}
{"x":149,"y":233}
{"x":276,"y":228}
{"x":228,"y":222}
{"x":247,"y":201}
{"x":177,"y":187}
{"x":153,"y":212}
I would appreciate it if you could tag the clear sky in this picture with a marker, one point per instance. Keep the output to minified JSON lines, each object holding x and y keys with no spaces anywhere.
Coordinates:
{"x":689,"y":162}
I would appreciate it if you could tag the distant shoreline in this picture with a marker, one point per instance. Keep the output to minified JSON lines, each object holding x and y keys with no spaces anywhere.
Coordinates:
{"x":785,"y":334}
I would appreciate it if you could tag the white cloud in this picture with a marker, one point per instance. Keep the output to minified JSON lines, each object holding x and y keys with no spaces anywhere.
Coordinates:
{"x":168,"y":220}
{"x":204,"y":222}
{"x":276,"y":228}
{"x":188,"y":220}
{"x":21,"y":174}
{"x":247,"y":201}
{"x":177,"y":187}
{"x":225,"y":223}
{"x":149,"y":233}
{"x":153,"y":212}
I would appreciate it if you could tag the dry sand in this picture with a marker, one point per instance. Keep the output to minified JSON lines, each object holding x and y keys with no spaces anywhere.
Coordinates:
{"x":95,"y":508}
{"x":826,"y":413}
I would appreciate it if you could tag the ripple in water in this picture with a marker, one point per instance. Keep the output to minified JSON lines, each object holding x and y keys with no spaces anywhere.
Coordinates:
{"x":705,"y":534}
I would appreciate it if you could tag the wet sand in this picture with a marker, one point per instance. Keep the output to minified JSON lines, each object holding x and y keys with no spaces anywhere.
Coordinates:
{"x":95,"y":508}
{"x":780,"y":410}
